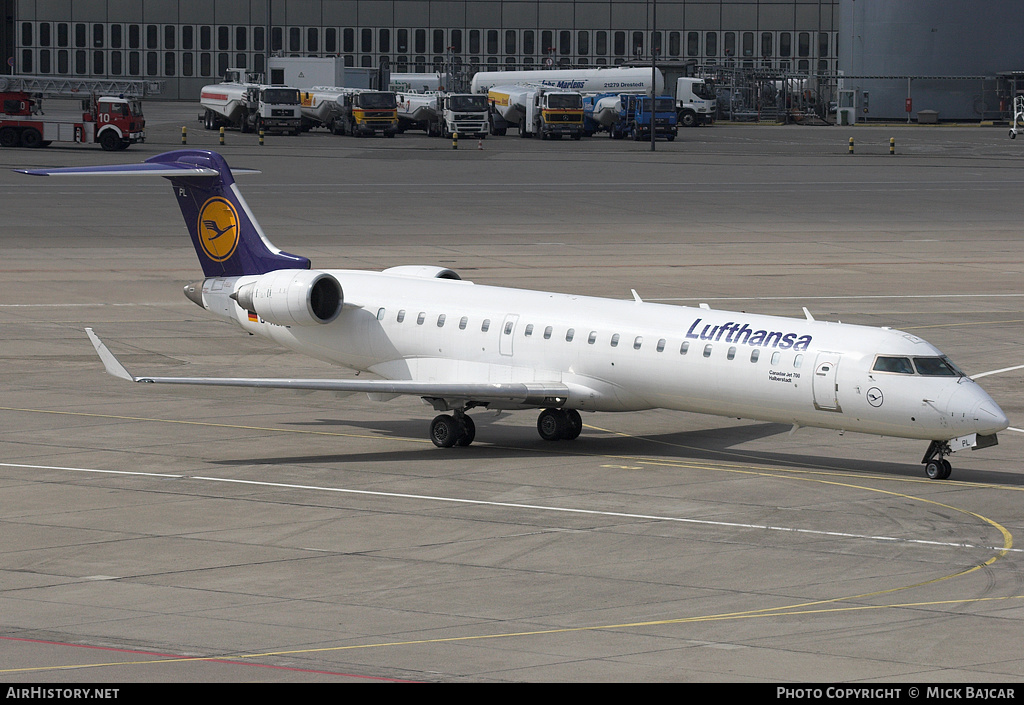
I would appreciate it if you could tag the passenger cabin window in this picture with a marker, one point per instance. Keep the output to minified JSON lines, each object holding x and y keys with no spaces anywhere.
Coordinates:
{"x":798,"y":361}
{"x":508,"y":327}
{"x":776,"y":356}
{"x":440,"y":321}
{"x":615,"y":340}
{"x":380,"y":314}
{"x":732,"y":353}
{"x":529,"y":330}
{"x":485,"y":326}
{"x":661,"y":345}
{"x":547,"y":333}
{"x":897,"y":365}
{"x":463,"y":322}
{"x":707,"y":350}
{"x":420,"y":318}
{"x":638,"y":342}
{"x":401,"y":315}
{"x":754,"y":354}
{"x":569,"y":334}
{"x":592,"y":338}
{"x":684,"y":347}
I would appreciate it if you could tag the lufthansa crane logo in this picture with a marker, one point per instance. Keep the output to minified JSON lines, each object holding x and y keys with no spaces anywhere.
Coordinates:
{"x":218,"y":228}
{"x":875,"y":397}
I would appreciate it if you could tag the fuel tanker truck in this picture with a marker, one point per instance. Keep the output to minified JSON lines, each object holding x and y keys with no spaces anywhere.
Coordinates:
{"x":611,"y":79}
{"x":244,"y":102}
{"x":351,"y":111}
{"x":537,"y":110}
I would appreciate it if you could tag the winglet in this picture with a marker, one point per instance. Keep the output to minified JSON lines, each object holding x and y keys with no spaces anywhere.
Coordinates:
{"x":110,"y":362}
{"x":636,"y":297}
{"x":808,"y":314}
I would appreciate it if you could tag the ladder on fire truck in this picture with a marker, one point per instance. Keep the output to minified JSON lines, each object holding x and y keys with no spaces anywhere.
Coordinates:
{"x":69,"y":87}
{"x":1018,"y":115}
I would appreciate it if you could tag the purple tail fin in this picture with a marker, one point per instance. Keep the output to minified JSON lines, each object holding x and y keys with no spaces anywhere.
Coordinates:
{"x":227,"y":238}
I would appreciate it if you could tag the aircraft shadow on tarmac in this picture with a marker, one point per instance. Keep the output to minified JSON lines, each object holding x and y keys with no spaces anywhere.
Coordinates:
{"x":497,"y":441}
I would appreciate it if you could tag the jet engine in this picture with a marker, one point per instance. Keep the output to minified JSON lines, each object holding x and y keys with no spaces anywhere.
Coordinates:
{"x":290,"y":297}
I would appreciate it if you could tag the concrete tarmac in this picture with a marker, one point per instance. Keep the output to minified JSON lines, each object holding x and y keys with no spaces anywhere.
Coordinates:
{"x":204,"y":535}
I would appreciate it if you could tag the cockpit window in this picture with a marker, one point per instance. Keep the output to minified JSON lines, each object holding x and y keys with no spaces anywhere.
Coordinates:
{"x":936,"y":367}
{"x":899,"y":365}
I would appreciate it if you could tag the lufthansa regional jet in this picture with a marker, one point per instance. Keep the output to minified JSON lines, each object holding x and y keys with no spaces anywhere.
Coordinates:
{"x":460,"y":346}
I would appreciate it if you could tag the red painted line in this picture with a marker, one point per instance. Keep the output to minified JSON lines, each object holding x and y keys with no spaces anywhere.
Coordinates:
{"x":200,"y":658}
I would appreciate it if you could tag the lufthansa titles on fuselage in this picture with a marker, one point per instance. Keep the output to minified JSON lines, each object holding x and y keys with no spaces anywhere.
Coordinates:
{"x":745,"y":335}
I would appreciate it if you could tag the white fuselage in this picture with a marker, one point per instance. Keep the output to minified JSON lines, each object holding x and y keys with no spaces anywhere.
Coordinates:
{"x":626,"y":355}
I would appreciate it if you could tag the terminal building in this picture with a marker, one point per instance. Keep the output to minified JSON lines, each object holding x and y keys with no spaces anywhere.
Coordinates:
{"x":190,"y":43}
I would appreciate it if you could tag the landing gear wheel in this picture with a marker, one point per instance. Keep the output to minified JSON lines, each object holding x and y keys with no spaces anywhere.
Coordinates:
{"x":552,"y":424}
{"x":468,"y":429}
{"x":444,"y":431}
{"x":938,"y":469}
{"x":574,"y":425}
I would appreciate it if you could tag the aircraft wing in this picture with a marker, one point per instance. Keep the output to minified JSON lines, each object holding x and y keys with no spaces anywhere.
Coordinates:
{"x":534,"y":394}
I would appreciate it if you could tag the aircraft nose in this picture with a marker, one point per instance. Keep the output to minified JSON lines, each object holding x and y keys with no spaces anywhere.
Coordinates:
{"x":989,"y":418}
{"x":976,"y":412}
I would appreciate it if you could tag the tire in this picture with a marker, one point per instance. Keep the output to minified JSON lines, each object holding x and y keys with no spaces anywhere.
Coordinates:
{"x":552,"y":424}
{"x":110,"y":141}
{"x":30,"y":137}
{"x":444,"y":431}
{"x":9,"y":137}
{"x":935,"y":470}
{"x":468,"y":432}
{"x":574,"y":425}
{"x":688,"y":119}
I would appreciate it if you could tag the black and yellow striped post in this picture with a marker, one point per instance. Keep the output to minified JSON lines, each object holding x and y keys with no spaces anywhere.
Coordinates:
{"x":851,"y":146}
{"x":261,"y":138}
{"x":455,"y":140}
{"x":892,"y":145}
{"x":184,"y":132}
{"x":222,"y":135}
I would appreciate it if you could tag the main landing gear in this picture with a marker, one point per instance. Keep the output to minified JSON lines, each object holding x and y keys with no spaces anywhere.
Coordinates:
{"x":454,"y":430}
{"x":457,"y":429}
{"x":936,"y":467}
{"x":559,"y":424}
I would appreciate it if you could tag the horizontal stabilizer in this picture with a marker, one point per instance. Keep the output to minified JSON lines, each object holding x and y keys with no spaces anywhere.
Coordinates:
{"x":227,"y":239}
{"x":175,"y":170}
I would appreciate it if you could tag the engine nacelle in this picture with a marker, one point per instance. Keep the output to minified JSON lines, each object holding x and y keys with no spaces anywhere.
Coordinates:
{"x":423,"y":271}
{"x":290,"y":297}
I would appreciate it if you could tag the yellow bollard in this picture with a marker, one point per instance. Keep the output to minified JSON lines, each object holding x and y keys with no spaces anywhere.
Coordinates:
{"x":261,"y":138}
{"x":222,"y":135}
{"x":892,"y":145}
{"x":184,"y":131}
{"x":455,"y":140}
{"x":851,"y":145}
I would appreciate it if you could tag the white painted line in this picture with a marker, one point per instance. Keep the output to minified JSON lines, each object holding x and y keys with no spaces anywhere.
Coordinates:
{"x":595,"y":512}
{"x":531,"y":507}
{"x":108,"y":472}
{"x":995,"y":372}
{"x":844,"y":298}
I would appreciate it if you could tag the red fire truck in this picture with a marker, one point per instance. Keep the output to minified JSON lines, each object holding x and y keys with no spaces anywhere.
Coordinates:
{"x":112,"y":122}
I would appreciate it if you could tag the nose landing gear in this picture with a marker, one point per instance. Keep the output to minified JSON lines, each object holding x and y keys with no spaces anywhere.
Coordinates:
{"x":936,"y":467}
